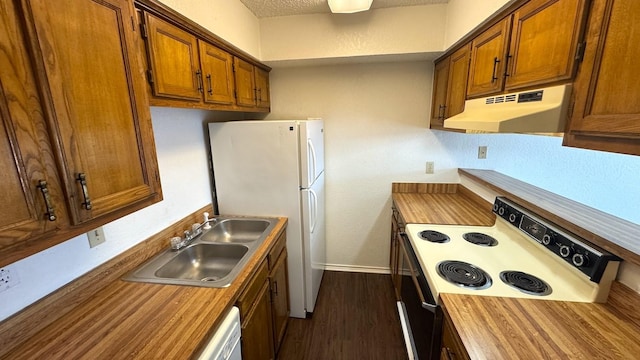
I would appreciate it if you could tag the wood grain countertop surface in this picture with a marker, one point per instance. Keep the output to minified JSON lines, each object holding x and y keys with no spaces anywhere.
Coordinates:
{"x":440,"y":204}
{"x":507,"y":328}
{"x":132,"y":320}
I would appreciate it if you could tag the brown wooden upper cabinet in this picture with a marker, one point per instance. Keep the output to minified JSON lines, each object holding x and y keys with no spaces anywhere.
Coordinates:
{"x":196,"y":73}
{"x":217,"y":69}
{"x":263,"y":98}
{"x":32,"y":198}
{"x":252,"y":84}
{"x":606,"y":112}
{"x":539,"y":43}
{"x":96,"y":100}
{"x":449,"y":86}
{"x":173,"y":59}
{"x":489,"y":52}
{"x":439,"y":92}
{"x":76,"y":138}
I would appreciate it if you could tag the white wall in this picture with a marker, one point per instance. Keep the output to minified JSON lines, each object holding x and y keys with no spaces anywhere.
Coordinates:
{"x":464,"y":15}
{"x":602,"y":180}
{"x":414,"y":29}
{"x":229,"y":19}
{"x":376,"y":132}
{"x":182,"y":158}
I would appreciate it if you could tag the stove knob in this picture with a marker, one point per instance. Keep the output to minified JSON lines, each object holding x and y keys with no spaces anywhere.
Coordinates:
{"x":565,"y":251}
{"x":546,"y":239}
{"x":512,"y":217}
{"x":501,"y":211}
{"x":580,"y":260}
{"x":495,"y":207}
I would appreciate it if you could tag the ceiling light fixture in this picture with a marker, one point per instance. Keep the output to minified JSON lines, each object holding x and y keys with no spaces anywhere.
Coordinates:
{"x":349,"y":6}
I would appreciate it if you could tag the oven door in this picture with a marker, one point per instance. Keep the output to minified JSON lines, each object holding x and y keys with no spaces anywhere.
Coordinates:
{"x":421,"y":317}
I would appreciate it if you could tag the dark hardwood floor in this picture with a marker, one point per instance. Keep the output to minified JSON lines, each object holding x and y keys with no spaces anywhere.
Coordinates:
{"x":355,"y":318}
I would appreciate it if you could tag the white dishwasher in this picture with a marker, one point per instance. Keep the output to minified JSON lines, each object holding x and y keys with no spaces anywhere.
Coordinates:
{"x":225,"y":342}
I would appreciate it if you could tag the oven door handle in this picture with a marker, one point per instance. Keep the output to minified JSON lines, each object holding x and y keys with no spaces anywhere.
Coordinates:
{"x":430,"y":307}
{"x":429,"y":302}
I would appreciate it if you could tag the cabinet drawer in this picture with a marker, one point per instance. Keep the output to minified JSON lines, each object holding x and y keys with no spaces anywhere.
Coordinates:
{"x":251,"y":292}
{"x":275,"y":252}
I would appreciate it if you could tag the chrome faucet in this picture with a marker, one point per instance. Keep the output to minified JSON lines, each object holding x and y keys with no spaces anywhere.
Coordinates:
{"x":178,"y":243}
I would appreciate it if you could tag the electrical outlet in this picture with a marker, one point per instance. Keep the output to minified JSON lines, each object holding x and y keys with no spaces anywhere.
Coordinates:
{"x":8,"y":279}
{"x":482,"y":152}
{"x":429,"y":167}
{"x":96,"y":237}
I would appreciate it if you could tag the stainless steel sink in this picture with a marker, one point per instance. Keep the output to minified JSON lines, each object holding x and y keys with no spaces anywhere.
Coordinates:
{"x":203,"y":262}
{"x":213,"y":259}
{"x":236,"y":231}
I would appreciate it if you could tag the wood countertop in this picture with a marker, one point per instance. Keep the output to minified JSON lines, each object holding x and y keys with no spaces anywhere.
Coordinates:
{"x":440,"y":204}
{"x":138,"y":320}
{"x":507,"y":328}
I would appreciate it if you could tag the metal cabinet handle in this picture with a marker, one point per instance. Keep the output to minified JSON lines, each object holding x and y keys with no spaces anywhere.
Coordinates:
{"x":450,"y":354}
{"x":275,"y":288}
{"x":210,"y":91}
{"x":82,"y":179}
{"x":496,"y":61}
{"x":260,"y":94}
{"x":441,"y":111}
{"x":199,"y":79}
{"x":51,"y":214}
{"x":255,"y":95}
{"x":506,"y":66}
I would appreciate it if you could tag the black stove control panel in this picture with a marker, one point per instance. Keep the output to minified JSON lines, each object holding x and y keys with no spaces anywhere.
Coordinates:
{"x":575,"y":251}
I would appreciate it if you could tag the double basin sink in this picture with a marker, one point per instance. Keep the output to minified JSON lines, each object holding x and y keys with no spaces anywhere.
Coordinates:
{"x":212,"y":259}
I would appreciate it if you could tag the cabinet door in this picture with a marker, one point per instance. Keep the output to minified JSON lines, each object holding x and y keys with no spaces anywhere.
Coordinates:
{"x":544,"y":40}
{"x":173,"y":57}
{"x":245,"y":83}
{"x":257,"y":339}
{"x":96,"y":100}
{"x":488,"y":54}
{"x":262,"y":88}
{"x":452,"y":347}
{"x":439,"y":102}
{"x":32,"y":203}
{"x":606,"y":113}
{"x":457,"y":88}
{"x":217,"y":72}
{"x":279,"y":281}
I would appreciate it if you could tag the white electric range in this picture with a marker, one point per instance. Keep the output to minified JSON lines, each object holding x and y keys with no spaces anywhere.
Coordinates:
{"x":521,"y":256}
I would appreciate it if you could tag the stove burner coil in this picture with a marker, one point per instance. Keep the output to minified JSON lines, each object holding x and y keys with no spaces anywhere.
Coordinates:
{"x":526,"y":283}
{"x":480,"y":239}
{"x":464,"y":274}
{"x":434,"y":236}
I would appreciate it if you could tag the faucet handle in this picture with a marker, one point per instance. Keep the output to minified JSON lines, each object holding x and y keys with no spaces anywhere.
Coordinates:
{"x":205,"y":224}
{"x":176,"y":241}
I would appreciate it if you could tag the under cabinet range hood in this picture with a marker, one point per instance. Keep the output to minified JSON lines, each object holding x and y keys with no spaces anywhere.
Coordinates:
{"x":533,"y":111}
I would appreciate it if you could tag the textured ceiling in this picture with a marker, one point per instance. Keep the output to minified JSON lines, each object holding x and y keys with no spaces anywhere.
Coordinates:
{"x":271,"y":8}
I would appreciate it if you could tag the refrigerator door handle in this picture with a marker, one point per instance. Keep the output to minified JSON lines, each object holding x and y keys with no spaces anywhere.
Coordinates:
{"x":312,"y":167}
{"x":314,"y":213}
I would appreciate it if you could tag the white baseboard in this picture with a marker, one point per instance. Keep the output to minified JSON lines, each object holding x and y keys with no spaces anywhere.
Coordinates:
{"x":357,"y":268}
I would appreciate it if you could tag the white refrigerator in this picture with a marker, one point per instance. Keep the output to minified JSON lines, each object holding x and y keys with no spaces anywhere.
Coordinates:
{"x":276,"y":168}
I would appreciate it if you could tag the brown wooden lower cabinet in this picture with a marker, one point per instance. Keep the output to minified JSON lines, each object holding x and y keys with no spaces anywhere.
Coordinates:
{"x":264,"y":306}
{"x":397,"y":226}
{"x":279,"y":280}
{"x":452,"y":347}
